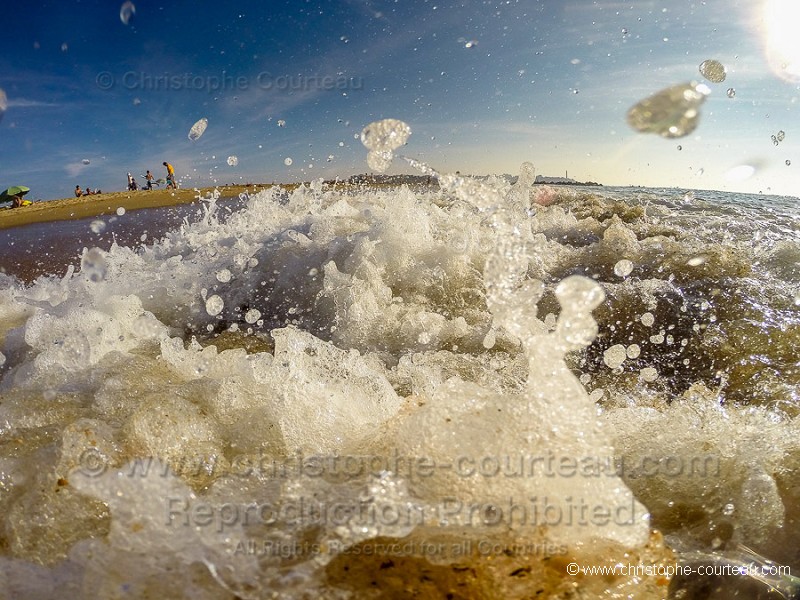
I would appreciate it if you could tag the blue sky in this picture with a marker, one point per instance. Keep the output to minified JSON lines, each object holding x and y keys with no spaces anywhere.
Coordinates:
{"x":483,"y":85}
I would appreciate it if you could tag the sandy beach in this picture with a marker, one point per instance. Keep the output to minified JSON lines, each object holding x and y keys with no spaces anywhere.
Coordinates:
{"x":108,"y":204}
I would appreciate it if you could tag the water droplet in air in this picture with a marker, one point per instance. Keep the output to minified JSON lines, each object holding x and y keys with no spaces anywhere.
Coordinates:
{"x":252,"y":315}
{"x":680,"y":147}
{"x":623,"y":268}
{"x":126,"y":11}
{"x":198,"y":129}
{"x":624,"y":31}
{"x":647,"y":319}
{"x":379,"y":161}
{"x":3,"y":103}
{"x":731,"y":92}
{"x":64,"y":47}
{"x":471,"y":44}
{"x":633,"y":351}
{"x":614,"y":357}
{"x":713,"y":70}
{"x":740,"y":173}
{"x":120,"y":211}
{"x":97,"y":226}
{"x":93,"y":265}
{"x":85,"y":161}
{"x":781,"y":135}
{"x":381,"y":138}
{"x":696,"y":261}
{"x":489,"y":340}
{"x":224,"y":276}
{"x":233,"y":161}
{"x":214,"y":305}
{"x":387,"y":134}
{"x":788,"y":162}
{"x":648,"y":374}
{"x":287,"y":161}
{"x":673,"y":112}
{"x":281,"y":123}
{"x":729,"y":509}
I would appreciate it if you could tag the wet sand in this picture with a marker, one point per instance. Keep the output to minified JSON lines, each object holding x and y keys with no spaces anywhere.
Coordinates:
{"x":107,"y":204}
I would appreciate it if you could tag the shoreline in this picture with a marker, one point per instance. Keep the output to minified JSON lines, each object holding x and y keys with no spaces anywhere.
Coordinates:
{"x":68,"y":209}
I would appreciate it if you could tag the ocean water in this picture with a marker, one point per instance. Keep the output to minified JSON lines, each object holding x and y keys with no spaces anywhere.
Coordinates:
{"x":457,"y":389}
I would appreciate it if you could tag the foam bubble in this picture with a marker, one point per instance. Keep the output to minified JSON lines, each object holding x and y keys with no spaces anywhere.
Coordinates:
{"x":623,"y":268}
{"x":214,"y":305}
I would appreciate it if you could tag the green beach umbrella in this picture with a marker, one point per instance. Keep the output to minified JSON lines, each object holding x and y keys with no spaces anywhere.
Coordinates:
{"x":17,"y":190}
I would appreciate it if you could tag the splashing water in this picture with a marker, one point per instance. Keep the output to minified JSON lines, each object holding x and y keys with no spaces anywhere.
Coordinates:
{"x":389,"y":322}
{"x":672,"y":113}
{"x":198,"y":129}
{"x":381,"y":138}
{"x":233,"y":161}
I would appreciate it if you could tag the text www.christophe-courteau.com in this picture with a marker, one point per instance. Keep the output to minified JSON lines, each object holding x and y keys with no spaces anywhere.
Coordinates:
{"x":298,"y":465}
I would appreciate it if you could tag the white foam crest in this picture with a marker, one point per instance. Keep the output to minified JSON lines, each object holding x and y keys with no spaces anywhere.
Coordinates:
{"x":737,"y":461}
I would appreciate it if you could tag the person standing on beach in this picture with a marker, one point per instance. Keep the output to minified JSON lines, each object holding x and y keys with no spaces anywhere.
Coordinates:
{"x":170,"y":176}
{"x":78,"y":192}
{"x":149,"y":178}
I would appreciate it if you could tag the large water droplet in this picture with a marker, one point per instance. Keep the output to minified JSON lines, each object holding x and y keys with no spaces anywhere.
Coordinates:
{"x":93,"y":265}
{"x":381,"y":138}
{"x":252,"y":315}
{"x":648,"y":374}
{"x":623,"y":268}
{"x":731,"y":93}
{"x":281,"y":123}
{"x":673,"y":112}
{"x":781,"y":135}
{"x":126,"y":12}
{"x":214,"y":305}
{"x":224,"y":275}
{"x":614,"y":356}
{"x":379,"y":161}
{"x":233,"y":161}
{"x":287,"y":161}
{"x":198,"y":129}
{"x":385,"y":135}
{"x":713,"y":70}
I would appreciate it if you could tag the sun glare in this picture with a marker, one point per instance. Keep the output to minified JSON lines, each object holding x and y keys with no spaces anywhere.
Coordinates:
{"x":782,"y":42}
